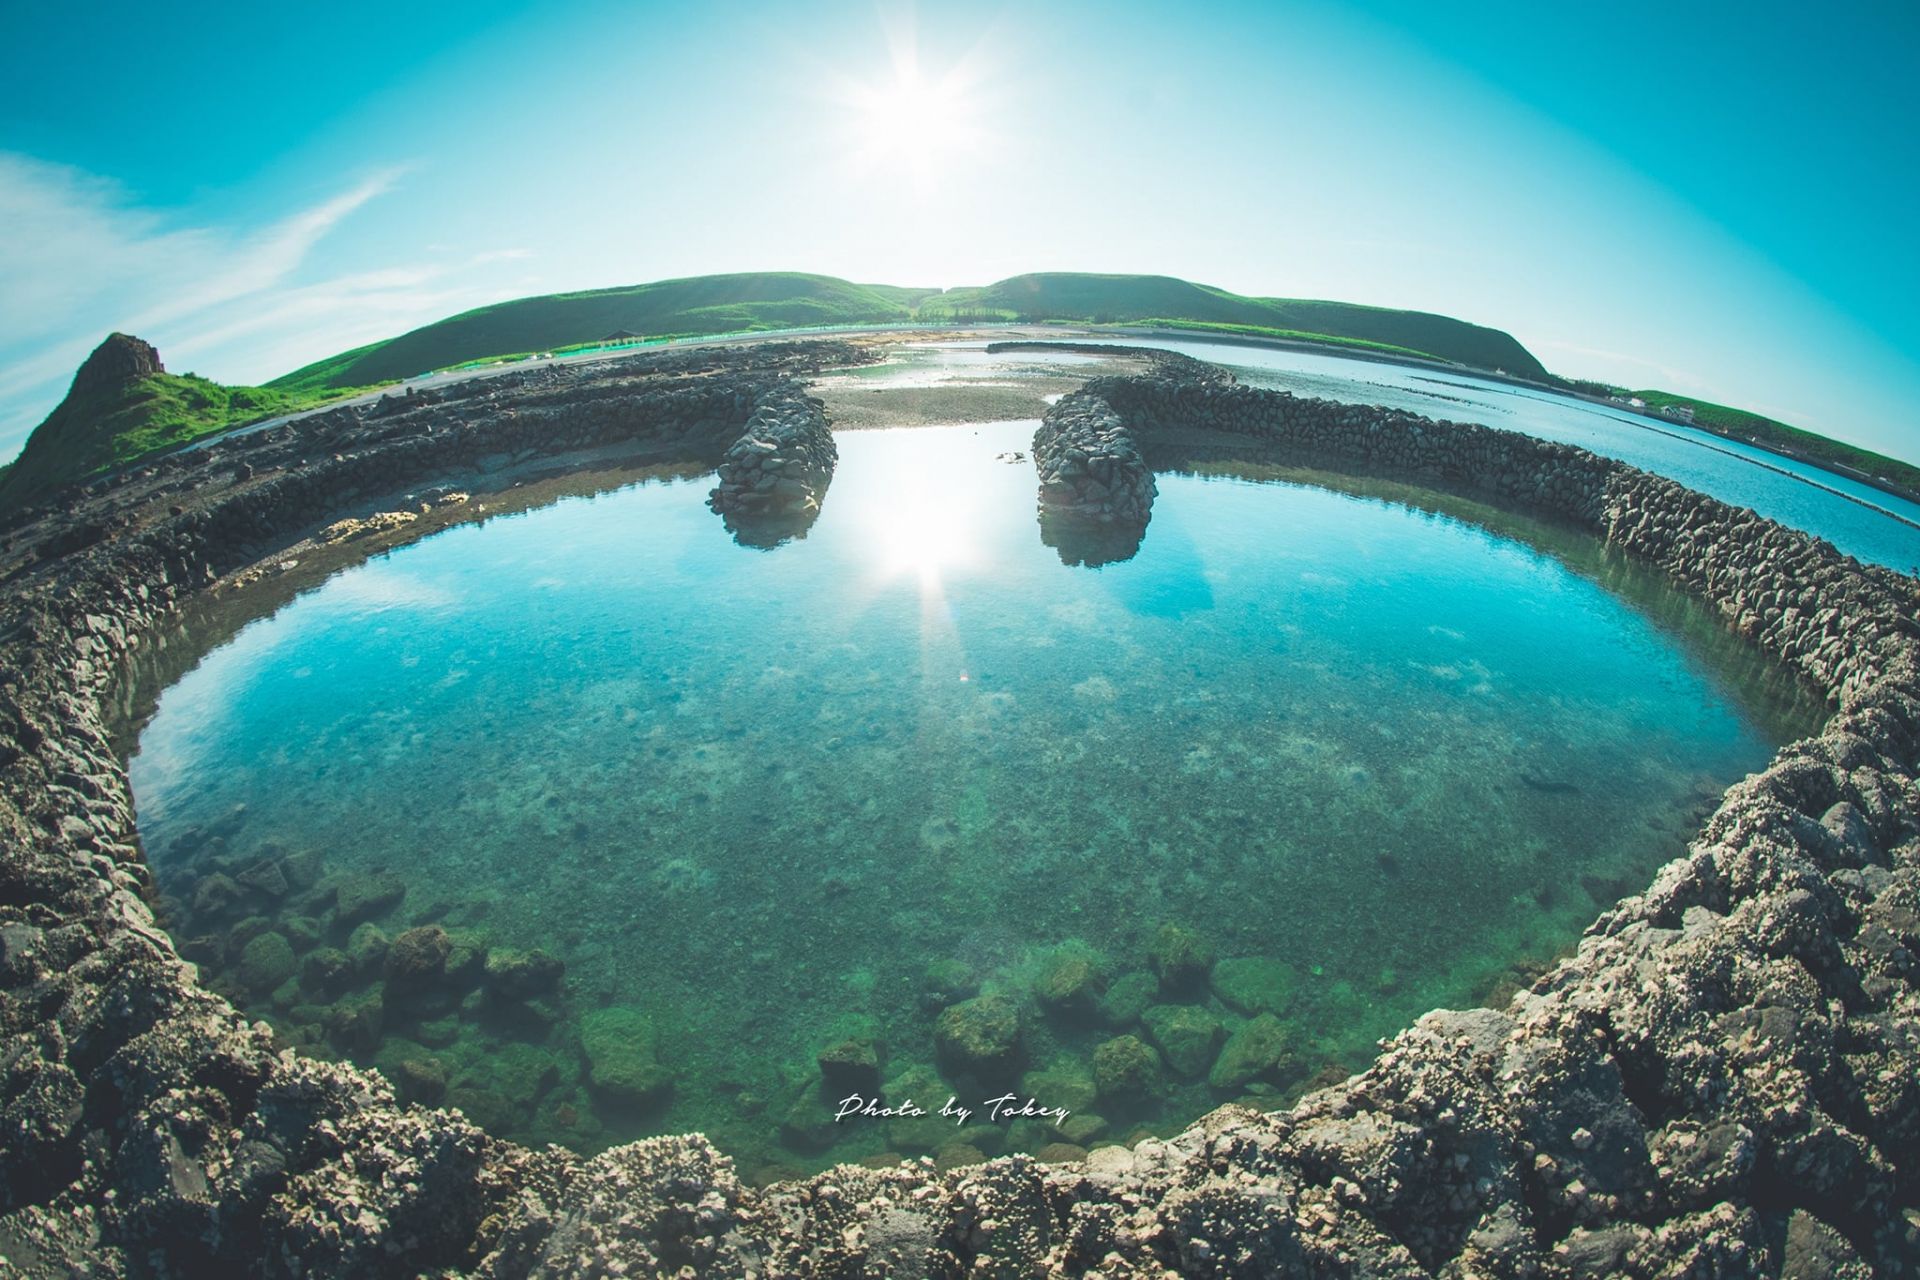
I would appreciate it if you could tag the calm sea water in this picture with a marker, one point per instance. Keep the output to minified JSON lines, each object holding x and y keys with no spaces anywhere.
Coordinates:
{"x":754,"y":797}
{"x":1855,"y":517}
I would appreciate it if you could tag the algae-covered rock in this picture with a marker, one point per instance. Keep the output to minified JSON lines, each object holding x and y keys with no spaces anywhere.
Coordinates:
{"x":947,"y":982}
{"x":417,"y":958}
{"x":1126,"y":1069}
{"x":417,"y":1075}
{"x":1259,"y":1049}
{"x":1127,"y":997}
{"x":980,"y":1038}
{"x":1181,"y":958}
{"x":807,"y":1124}
{"x":1082,"y":1128}
{"x":622,"y":1058}
{"x":1064,"y":1082}
{"x":367,"y":948}
{"x":1069,"y":981}
{"x":520,"y":1073}
{"x":366,"y":895}
{"x":265,"y":963}
{"x":850,"y":1066}
{"x":1185,"y":1034}
{"x":354,"y":1024}
{"x":1254,"y":984}
{"x":522,"y":975}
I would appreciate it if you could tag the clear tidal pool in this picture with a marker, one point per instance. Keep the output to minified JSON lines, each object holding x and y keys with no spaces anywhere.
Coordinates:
{"x":1365,"y":758}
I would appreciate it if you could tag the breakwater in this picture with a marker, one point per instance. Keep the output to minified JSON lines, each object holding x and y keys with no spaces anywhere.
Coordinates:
{"x":1721,"y":1081}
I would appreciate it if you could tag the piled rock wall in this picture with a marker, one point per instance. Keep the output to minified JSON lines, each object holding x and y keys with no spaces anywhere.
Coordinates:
{"x":1725,"y":1080}
{"x":782,"y":463}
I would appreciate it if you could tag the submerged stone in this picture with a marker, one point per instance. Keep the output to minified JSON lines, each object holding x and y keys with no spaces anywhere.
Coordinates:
{"x":1127,"y":997}
{"x":1254,"y":984}
{"x":265,"y":963}
{"x":363,"y":896}
{"x":1065,"y":1082}
{"x":622,"y":1060}
{"x":947,"y":981}
{"x":417,"y":958}
{"x":1185,"y":1034}
{"x":1126,"y":1069}
{"x":522,"y":975}
{"x":1069,"y":981}
{"x":1258,"y":1049}
{"x":850,"y":1066}
{"x":979,"y":1037}
{"x":367,"y":948}
{"x":1181,"y":959}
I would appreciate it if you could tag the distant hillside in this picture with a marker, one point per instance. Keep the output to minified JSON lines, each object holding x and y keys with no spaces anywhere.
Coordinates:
{"x":1123,"y":299}
{"x":667,"y":308}
{"x":787,"y":300}
{"x":1768,"y":433}
{"x":123,"y":403}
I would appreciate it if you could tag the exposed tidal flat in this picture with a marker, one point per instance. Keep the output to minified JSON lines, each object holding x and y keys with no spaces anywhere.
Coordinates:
{"x":765,"y":806}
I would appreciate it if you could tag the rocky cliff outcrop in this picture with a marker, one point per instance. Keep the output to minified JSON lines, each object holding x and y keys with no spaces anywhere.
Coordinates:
{"x":120,"y":359}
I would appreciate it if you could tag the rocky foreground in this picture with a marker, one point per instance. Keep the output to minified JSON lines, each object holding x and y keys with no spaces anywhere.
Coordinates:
{"x":1725,"y":1080}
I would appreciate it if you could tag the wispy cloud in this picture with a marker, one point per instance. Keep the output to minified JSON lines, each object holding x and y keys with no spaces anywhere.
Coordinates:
{"x":82,"y":259}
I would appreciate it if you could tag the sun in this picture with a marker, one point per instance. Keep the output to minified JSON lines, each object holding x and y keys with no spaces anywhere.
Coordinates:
{"x":910,"y":118}
{"x":913,"y":121}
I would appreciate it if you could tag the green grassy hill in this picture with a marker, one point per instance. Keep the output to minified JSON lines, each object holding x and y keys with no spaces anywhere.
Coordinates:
{"x":124,"y":404}
{"x":1754,"y":428}
{"x":788,"y":300}
{"x":666,"y":308}
{"x":1163,"y":300}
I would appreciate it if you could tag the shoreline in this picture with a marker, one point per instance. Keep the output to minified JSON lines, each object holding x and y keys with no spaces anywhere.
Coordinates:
{"x":1581,"y":1115}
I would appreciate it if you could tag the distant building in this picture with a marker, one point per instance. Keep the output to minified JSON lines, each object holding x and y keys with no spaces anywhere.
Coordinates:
{"x":1635,"y":402}
{"x":1678,"y":412}
{"x":620,"y":335}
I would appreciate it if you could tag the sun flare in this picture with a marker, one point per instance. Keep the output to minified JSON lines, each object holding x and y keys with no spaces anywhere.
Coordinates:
{"x":913,"y":121}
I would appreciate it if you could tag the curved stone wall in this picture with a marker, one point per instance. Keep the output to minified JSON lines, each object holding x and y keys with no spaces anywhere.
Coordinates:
{"x":1725,"y":1080}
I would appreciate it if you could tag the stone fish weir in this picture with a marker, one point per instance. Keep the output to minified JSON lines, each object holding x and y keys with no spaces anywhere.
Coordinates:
{"x":1725,"y":1080}
{"x":773,"y":478}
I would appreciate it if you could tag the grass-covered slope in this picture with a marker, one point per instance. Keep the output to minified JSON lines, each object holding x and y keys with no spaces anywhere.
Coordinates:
{"x":1127,"y":299}
{"x":124,"y":404}
{"x":1739,"y":424}
{"x":697,"y":305}
{"x":785,"y":300}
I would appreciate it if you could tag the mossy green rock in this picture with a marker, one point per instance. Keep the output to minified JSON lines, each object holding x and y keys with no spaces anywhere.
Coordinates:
{"x":417,"y":958}
{"x":622,"y":1057}
{"x":1254,"y":984}
{"x":265,"y":962}
{"x":1066,"y":1082}
{"x":1126,"y":1069}
{"x":850,"y":1066}
{"x":520,"y":1073}
{"x":948,"y":982}
{"x":522,"y":975}
{"x":367,"y":948}
{"x":1260,"y":1048}
{"x":1069,"y":981}
{"x":979,"y":1037}
{"x":1181,"y":958}
{"x":1186,"y":1035}
{"x":1127,"y":997}
{"x":365,"y":896}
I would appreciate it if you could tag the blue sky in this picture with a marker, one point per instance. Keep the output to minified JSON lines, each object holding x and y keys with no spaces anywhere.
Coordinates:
{"x":1710,"y":198}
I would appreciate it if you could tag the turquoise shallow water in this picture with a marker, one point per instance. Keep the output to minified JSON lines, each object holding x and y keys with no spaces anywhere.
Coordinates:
{"x":762,"y":803}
